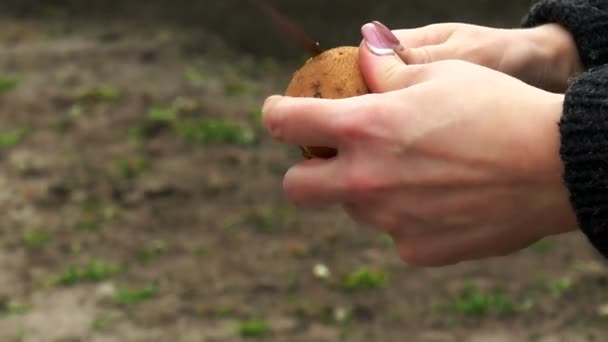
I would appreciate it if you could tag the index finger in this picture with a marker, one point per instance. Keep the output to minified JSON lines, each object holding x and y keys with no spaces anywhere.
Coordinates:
{"x":434,"y":34}
{"x":305,"y":120}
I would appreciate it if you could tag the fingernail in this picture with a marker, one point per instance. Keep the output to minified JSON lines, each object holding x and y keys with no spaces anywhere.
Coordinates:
{"x":268,"y":103}
{"x":380,"y":39}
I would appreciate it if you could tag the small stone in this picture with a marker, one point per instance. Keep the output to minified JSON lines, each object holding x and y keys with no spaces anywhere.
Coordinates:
{"x":330,"y":235}
{"x":106,"y":290}
{"x":297,"y":249}
{"x":341,"y":314}
{"x":321,"y":271}
{"x":602,"y":310}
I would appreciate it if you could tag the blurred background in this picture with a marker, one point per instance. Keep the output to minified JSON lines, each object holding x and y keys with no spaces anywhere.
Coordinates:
{"x":140,"y":200}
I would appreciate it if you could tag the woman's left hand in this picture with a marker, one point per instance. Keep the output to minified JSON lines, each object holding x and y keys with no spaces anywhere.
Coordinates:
{"x":455,"y":161}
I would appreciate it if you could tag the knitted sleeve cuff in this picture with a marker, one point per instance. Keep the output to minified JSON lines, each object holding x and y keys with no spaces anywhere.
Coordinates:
{"x":584,"y":152}
{"x":586,"y":20}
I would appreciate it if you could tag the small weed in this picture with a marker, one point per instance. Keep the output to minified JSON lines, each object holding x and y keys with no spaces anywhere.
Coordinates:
{"x":102,"y":323}
{"x":111,"y":213}
{"x":386,"y":241}
{"x":236,"y":88}
{"x":13,"y":309}
{"x":35,"y":239}
{"x":130,"y":168}
{"x":92,"y":217}
{"x":102,"y":92}
{"x":292,"y":282}
{"x":75,"y":111}
{"x":324,"y":313}
{"x":472,"y":302}
{"x":162,"y":114}
{"x":22,"y":335}
{"x":130,"y":297}
{"x":542,"y":247}
{"x":256,"y":116}
{"x":559,"y":287}
{"x":92,"y":272}
{"x":184,"y":105}
{"x":13,"y":137}
{"x":135,"y":136}
{"x":62,"y":125}
{"x":152,"y":251}
{"x":224,"y":312}
{"x":269,"y":219}
{"x":364,"y":279}
{"x":89,"y":225}
{"x":221,"y":132}
{"x":253,"y":328}
{"x":7,"y":84}
{"x":171,"y":113}
{"x":195,"y":75}
{"x":200,"y":251}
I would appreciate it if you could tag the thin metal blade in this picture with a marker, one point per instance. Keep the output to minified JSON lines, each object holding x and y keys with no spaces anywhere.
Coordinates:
{"x":292,"y":32}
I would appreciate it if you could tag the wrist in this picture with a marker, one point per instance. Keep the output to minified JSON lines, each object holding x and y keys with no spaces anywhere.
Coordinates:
{"x":556,"y":193}
{"x":538,"y":126}
{"x":558,"y":57}
{"x":549,"y":135}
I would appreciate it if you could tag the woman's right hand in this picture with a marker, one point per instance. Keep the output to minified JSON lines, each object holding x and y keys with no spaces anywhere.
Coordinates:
{"x":545,"y":56}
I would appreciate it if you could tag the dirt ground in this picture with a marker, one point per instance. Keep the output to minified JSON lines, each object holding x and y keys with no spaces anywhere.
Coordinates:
{"x":141,"y":201}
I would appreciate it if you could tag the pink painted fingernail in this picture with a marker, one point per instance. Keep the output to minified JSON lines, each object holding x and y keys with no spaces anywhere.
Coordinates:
{"x":380,"y":39}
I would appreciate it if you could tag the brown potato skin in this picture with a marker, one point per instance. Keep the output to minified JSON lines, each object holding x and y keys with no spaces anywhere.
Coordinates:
{"x":334,"y":74}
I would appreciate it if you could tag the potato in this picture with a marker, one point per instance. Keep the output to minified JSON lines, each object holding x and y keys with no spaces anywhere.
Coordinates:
{"x":333,"y":74}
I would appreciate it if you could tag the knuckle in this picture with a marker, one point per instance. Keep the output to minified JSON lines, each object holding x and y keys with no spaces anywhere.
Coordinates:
{"x":450,"y":66}
{"x":276,"y":127}
{"x":292,"y":192}
{"x":426,"y":56}
{"x":364,"y":111}
{"x":273,"y":118}
{"x":360,"y":183}
{"x":419,"y":255}
{"x":352,"y":125}
{"x":411,"y":253}
{"x":387,"y":221}
{"x":366,"y":120}
{"x":418,"y":73}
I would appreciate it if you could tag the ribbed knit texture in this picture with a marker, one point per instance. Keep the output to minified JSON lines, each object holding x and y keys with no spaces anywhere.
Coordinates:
{"x":584,"y":151}
{"x":584,"y":122}
{"x":586,"y":20}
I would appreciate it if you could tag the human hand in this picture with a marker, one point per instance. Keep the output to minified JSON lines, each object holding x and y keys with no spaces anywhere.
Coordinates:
{"x":545,"y":56}
{"x":455,"y":161}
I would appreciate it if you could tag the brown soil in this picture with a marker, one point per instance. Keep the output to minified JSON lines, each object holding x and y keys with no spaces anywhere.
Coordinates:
{"x":207,"y":223}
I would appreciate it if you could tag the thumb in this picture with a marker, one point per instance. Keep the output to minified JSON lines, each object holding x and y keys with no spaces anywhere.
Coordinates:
{"x":382,"y":69}
{"x":427,"y":54}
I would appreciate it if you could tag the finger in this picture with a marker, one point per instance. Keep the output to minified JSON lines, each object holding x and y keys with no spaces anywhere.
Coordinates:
{"x":363,"y":214}
{"x":428,"y":54}
{"x":426,"y":35}
{"x":377,"y":215}
{"x":315,"y":182}
{"x":305,"y":121}
{"x":388,"y":73}
{"x":454,"y":246}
